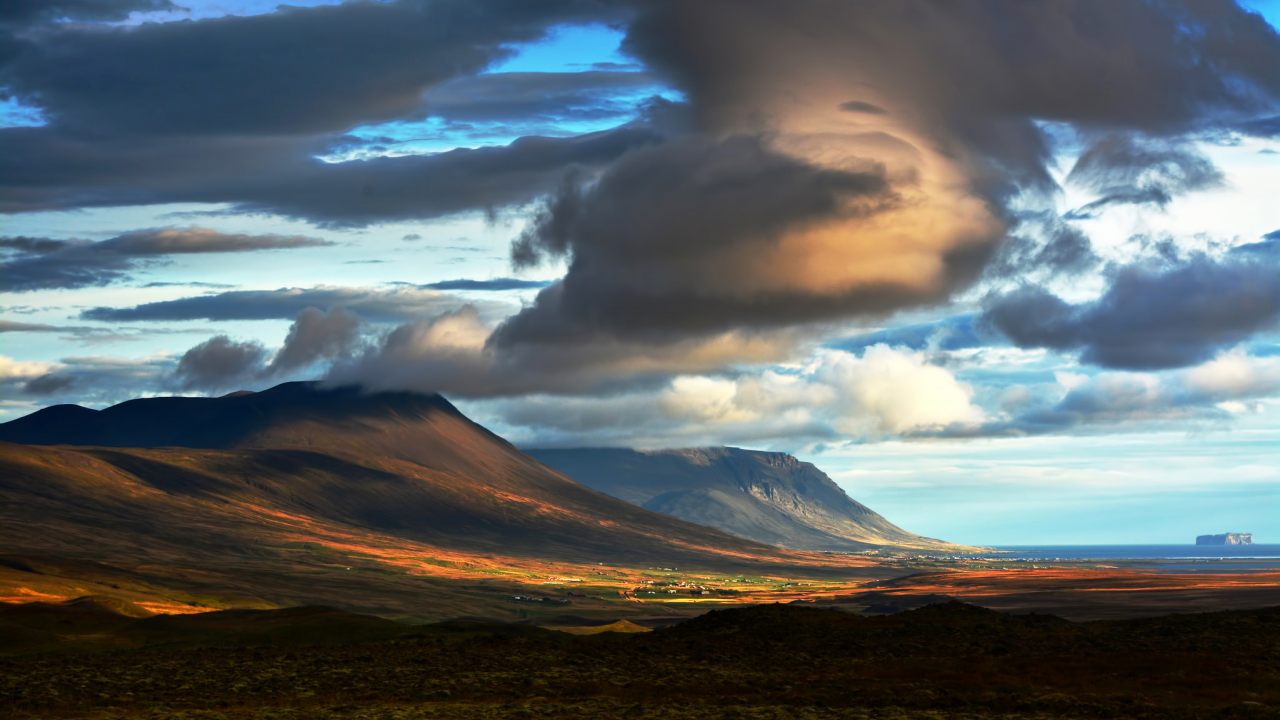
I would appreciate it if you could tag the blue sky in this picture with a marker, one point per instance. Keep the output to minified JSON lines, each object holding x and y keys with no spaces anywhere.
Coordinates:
{"x":950,"y":418}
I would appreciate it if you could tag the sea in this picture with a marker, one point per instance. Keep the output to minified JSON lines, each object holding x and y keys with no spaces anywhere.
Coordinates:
{"x":1161,"y":558}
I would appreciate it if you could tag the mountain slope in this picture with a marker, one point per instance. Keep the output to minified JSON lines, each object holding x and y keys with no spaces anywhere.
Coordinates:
{"x":288,"y":495}
{"x":768,"y":497}
{"x":401,"y":462}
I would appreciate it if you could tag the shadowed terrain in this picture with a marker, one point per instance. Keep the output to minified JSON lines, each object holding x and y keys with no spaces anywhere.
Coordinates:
{"x":765,"y":496}
{"x":766,"y":661}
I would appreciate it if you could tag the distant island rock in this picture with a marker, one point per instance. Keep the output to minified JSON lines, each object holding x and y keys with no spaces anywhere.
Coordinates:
{"x":1226,"y":539}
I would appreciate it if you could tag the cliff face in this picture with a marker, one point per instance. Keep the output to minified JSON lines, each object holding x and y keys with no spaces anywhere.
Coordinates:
{"x":764,"y":496}
{"x":1226,"y":539}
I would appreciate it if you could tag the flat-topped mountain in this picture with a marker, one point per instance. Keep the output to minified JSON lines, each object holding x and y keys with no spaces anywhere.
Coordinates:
{"x":765,"y":496}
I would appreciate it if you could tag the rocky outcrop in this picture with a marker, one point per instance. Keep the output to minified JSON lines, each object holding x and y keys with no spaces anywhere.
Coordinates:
{"x":1226,"y":539}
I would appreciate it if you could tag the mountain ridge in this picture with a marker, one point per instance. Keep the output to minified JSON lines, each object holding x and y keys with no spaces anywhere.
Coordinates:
{"x":769,"y":497}
{"x":301,"y":494}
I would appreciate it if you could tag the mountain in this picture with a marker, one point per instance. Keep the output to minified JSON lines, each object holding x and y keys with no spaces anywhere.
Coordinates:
{"x":304,"y":495}
{"x":764,"y":496}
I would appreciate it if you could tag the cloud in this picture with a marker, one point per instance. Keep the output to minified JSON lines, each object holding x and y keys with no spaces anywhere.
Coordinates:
{"x":91,"y":335}
{"x":1126,"y":170}
{"x":21,"y":13}
{"x":494,"y":284}
{"x":43,"y":169}
{"x":49,"y":384}
{"x":88,"y":380}
{"x":346,"y":65}
{"x":858,"y":106}
{"x":820,"y":167}
{"x":1042,"y":244}
{"x":953,"y":333}
{"x":840,"y":397}
{"x":455,"y":353}
{"x":706,"y":236}
{"x":23,"y":370}
{"x":12,"y":326}
{"x":214,"y":365}
{"x":1150,"y":318}
{"x":523,"y":98}
{"x":218,"y":363}
{"x":1211,"y":391}
{"x":161,"y":113}
{"x":376,"y":305}
{"x":315,"y":336}
{"x":783,"y":209}
{"x":211,"y":286}
{"x":42,"y":263}
{"x":169,"y":241}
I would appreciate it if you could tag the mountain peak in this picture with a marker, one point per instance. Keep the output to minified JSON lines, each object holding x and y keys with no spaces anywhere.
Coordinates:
{"x":236,"y":420}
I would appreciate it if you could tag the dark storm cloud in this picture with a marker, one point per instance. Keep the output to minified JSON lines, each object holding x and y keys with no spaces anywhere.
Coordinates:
{"x":1124,"y":170}
{"x":43,"y":264}
{"x":218,"y":363}
{"x":648,"y":245}
{"x":49,"y":384}
{"x":1164,"y":66}
{"x":1269,"y":248}
{"x":1265,"y":127}
{"x":40,"y":169}
{"x":222,"y":111}
{"x":295,"y":71}
{"x":494,"y":284}
{"x":757,"y":206}
{"x":529,"y":96}
{"x":651,"y":240}
{"x":1150,"y":318}
{"x":375,"y":305}
{"x":19,"y":13}
{"x":1043,"y":244}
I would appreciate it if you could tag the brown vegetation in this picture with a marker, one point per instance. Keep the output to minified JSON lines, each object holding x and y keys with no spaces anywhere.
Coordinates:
{"x":766,"y":661}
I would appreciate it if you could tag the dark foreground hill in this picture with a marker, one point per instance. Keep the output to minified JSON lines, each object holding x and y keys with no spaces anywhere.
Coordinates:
{"x":770,"y":661}
{"x":765,"y":496}
{"x":301,"y":495}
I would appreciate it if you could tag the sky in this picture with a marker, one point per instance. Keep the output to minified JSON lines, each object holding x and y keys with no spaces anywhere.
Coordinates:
{"x":1009,"y":273}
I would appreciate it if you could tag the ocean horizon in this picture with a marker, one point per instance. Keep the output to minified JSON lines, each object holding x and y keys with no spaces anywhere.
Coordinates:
{"x":1259,"y":551}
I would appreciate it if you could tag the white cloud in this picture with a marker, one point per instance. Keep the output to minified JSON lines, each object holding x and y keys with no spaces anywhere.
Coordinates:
{"x":17,"y":370}
{"x":1234,"y":375}
{"x":885,"y":392}
{"x":893,"y":391}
